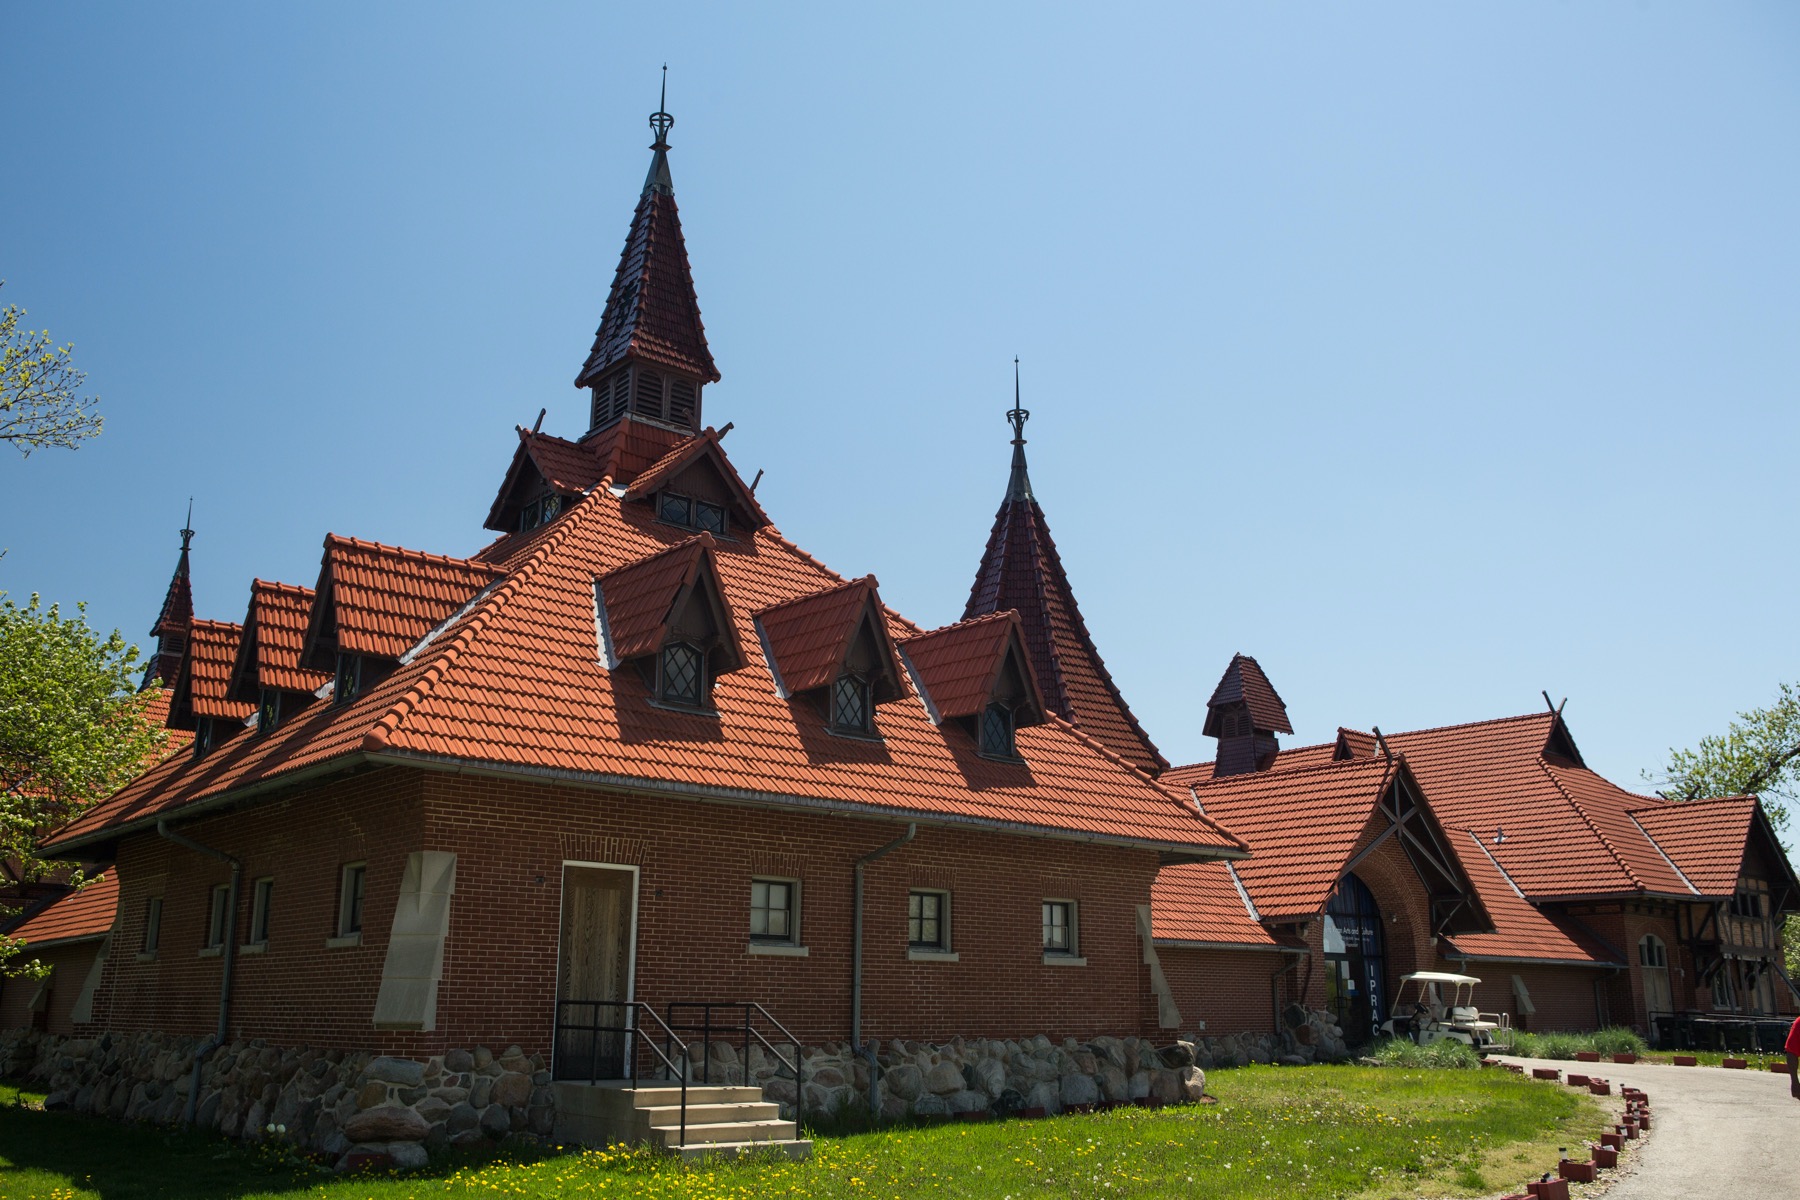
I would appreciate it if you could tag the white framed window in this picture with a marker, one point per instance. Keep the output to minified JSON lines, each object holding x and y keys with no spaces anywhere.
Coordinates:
{"x":218,"y":920}
{"x":152,"y":926}
{"x":1062,"y":930}
{"x":775,"y":912}
{"x":927,"y":919}
{"x":262,"y":894}
{"x":350,"y":899}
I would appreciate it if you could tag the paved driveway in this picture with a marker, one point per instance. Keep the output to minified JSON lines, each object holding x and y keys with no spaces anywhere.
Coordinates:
{"x":1730,"y":1135}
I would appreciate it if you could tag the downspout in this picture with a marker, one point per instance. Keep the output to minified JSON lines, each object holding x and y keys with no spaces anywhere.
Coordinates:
{"x":856,"y":958}
{"x":228,"y":957}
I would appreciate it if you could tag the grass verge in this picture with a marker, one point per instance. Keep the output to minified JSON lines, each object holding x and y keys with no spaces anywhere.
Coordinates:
{"x":1320,"y":1132}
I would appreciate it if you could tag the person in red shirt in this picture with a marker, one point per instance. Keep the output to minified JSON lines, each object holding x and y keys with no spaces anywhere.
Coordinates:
{"x":1793,"y":1056}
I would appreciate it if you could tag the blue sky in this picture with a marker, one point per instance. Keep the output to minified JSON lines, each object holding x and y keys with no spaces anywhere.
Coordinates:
{"x":1434,"y":354}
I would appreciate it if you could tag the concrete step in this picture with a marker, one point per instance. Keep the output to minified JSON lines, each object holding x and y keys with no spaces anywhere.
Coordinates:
{"x":708,"y":1114}
{"x":728,"y":1131}
{"x":664,"y":1094}
{"x":797,"y":1149}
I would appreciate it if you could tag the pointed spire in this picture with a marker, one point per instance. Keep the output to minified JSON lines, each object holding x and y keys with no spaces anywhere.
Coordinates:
{"x":177,"y":614}
{"x":1019,"y":486}
{"x":650,"y":357}
{"x":1021,"y":570}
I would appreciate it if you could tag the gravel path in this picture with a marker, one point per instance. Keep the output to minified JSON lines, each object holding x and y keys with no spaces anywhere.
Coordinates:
{"x":1719,"y":1135}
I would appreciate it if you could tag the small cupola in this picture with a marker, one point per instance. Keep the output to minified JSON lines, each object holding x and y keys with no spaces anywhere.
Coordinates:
{"x":650,"y":358}
{"x":1245,"y":714}
{"x":977,"y":674}
{"x":665,"y":616}
{"x":832,"y":648}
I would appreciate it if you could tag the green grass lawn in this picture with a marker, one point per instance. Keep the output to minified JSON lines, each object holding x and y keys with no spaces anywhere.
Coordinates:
{"x":1313,"y":1132}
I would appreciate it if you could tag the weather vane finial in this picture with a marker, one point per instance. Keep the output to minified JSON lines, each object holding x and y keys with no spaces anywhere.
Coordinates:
{"x":187,"y":526}
{"x":660,"y":121}
{"x":1019,"y":415}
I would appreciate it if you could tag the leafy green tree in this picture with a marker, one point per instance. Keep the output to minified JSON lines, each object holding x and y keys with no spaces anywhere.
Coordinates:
{"x":72,"y":730}
{"x":40,"y":400}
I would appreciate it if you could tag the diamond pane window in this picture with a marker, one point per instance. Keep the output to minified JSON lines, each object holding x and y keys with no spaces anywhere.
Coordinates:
{"x":850,"y":703}
{"x":925,"y":920}
{"x":681,"y":670}
{"x":349,"y":678}
{"x":710,"y":517}
{"x":771,"y":910}
{"x":268,"y":713}
{"x":676,"y":510}
{"x":997,"y":731}
{"x":1059,"y":927}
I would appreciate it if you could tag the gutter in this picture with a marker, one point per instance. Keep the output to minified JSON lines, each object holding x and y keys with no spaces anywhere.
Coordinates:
{"x":856,"y":960}
{"x":228,"y":956}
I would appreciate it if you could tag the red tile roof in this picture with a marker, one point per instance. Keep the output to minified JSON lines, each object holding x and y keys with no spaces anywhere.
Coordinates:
{"x":515,"y":683}
{"x":78,"y":916}
{"x":640,"y":598}
{"x":381,"y":601}
{"x":652,"y":313}
{"x":958,"y":665}
{"x":679,"y":458}
{"x":269,"y":651}
{"x":808,"y":638}
{"x":1199,"y":903}
{"x":1522,"y":932}
{"x":1302,"y":828}
{"x":1705,"y":839}
{"x":201,"y":682}
{"x":621,"y":452}
{"x":1021,"y":570}
{"x":1244,"y":681}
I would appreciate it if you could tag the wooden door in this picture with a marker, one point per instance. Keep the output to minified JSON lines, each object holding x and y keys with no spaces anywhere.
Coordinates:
{"x":595,"y":972}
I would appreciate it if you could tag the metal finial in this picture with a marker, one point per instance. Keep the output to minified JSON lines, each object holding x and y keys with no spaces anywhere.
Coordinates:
{"x":187,"y":531}
{"x":1019,"y":415}
{"x":660,"y":120}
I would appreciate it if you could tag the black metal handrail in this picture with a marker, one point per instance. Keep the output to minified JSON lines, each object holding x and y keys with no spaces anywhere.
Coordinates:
{"x":748,"y":1011}
{"x":671,"y":1049}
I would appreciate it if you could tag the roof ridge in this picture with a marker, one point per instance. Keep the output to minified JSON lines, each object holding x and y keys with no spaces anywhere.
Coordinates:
{"x":1291,"y":772}
{"x":292,"y":589}
{"x":868,"y":580}
{"x":408,"y":702}
{"x":1532,"y":716}
{"x":1550,"y":774}
{"x":406,"y":552}
{"x":199,"y":621}
{"x":1660,"y":804}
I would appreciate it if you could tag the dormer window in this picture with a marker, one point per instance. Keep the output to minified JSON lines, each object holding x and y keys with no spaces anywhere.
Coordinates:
{"x":349,"y":678}
{"x":673,"y":508}
{"x":203,"y":737}
{"x":681,"y":675}
{"x":268,"y":711}
{"x":997,"y":732}
{"x":853,"y":704}
{"x":541,"y":511}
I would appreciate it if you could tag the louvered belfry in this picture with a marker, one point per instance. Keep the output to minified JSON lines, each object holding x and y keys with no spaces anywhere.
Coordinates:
{"x":174,"y":621}
{"x":1245,"y":713}
{"x":1021,"y":570}
{"x":650,"y":357}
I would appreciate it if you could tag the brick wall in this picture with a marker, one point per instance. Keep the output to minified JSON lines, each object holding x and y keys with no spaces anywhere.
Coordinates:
{"x":1227,"y":989}
{"x":1563,"y":996}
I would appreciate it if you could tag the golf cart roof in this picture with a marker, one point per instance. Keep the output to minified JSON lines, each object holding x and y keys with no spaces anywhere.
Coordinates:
{"x":1438,"y":977}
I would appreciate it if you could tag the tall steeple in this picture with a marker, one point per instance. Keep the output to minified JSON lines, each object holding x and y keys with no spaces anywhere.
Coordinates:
{"x":650,"y":357}
{"x":1021,"y":570}
{"x":171,"y":628}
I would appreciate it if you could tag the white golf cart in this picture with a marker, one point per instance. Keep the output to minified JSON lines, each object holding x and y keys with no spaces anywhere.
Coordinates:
{"x":1422,"y":1015}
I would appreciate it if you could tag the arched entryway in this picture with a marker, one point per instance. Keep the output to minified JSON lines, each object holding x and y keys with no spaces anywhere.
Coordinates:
{"x":1355,"y":962}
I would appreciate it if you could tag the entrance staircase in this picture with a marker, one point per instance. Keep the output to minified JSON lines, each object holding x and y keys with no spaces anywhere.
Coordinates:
{"x":727,"y":1121}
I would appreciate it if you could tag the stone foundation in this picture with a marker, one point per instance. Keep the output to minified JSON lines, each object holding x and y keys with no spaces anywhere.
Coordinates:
{"x":336,"y":1103}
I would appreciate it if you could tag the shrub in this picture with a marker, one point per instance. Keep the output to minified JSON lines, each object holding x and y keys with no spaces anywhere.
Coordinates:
{"x":1398,"y":1052}
{"x":1566,"y":1045}
{"x":1615,"y":1040}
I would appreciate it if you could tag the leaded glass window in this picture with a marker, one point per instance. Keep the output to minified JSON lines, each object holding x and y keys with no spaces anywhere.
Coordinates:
{"x":997,"y":731}
{"x":851,"y":703}
{"x":710,"y":517}
{"x":925,"y":920}
{"x":682,"y":668}
{"x":268,"y":713}
{"x":349,"y":678}
{"x":772,"y":910}
{"x":676,"y":510}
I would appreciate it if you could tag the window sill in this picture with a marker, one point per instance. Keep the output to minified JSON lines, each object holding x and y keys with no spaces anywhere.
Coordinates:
{"x":146,"y":956}
{"x":343,"y":943}
{"x":1064,"y":960}
{"x":856,"y":735}
{"x":253,"y":947}
{"x":211,"y":951}
{"x":777,"y":950}
{"x":913,"y":954}
{"x":683,"y":709}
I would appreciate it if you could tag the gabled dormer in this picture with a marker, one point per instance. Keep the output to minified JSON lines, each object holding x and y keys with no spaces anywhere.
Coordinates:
{"x":1245,"y":714}
{"x":665,"y":617}
{"x":832,"y":648}
{"x":267,"y":671}
{"x":548,"y":476}
{"x":694,"y":486}
{"x":1559,"y":744}
{"x":977,"y":674}
{"x":1352,"y":744}
{"x":199,"y":699}
{"x":650,"y":359}
{"x":374,"y":604}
